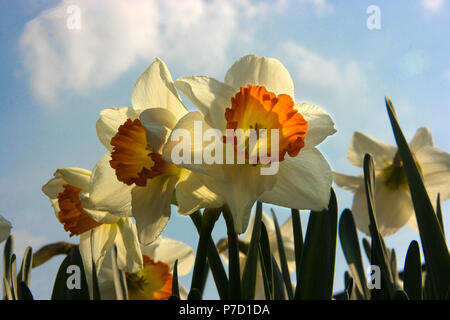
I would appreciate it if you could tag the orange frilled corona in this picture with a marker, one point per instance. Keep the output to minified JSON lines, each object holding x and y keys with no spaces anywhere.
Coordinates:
{"x":71,"y":214}
{"x":133,"y":159}
{"x":153,"y":282}
{"x":254,"y":107}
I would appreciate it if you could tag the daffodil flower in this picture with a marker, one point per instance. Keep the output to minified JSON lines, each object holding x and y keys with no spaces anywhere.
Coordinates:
{"x":154,"y":280}
{"x":393,"y":204}
{"x":133,"y":167}
{"x":5,"y":229}
{"x":69,"y":192}
{"x":258,"y":93}
{"x":288,"y":243}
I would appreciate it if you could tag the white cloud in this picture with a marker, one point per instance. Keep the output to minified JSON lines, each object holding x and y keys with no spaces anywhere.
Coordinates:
{"x":432,"y":5}
{"x":321,"y":7}
{"x":117,"y":34}
{"x":313,"y":71}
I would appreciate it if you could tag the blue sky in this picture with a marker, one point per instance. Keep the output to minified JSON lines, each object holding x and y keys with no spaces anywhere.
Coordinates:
{"x":54,"y":81}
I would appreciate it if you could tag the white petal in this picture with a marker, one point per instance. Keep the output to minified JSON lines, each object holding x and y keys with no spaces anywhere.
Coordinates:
{"x":303,"y":182}
{"x":98,"y":215}
{"x":109,"y":122}
{"x":320,"y":124}
{"x":346,"y":182}
{"x":5,"y":229}
{"x":412,"y":223}
{"x":168,"y":250}
{"x":155,"y":89}
{"x":268,"y":72}
{"x":210,"y":96}
{"x":158,"y":123}
{"x":422,"y":138}
{"x":151,"y":207}
{"x":241,"y":186}
{"x":393,"y":208}
{"x":435,"y":166}
{"x":53,"y":187}
{"x":192,"y":194}
{"x":129,"y":255}
{"x":106,"y":193}
{"x":76,"y":177}
{"x":360,"y":144}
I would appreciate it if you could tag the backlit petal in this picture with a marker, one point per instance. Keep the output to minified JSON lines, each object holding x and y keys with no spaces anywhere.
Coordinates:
{"x":360,"y":144}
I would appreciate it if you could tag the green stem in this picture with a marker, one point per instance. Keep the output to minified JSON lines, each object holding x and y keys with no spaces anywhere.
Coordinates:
{"x":234,"y":273}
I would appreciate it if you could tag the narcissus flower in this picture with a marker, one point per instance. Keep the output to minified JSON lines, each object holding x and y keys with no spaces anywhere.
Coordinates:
{"x":257,"y":94}
{"x":154,"y":280}
{"x":5,"y":229}
{"x":393,"y":204}
{"x":133,"y":166}
{"x":69,"y":193}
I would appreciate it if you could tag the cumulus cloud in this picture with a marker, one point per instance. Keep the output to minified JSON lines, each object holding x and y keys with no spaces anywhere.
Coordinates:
{"x":114,"y":35}
{"x":313,"y":71}
{"x":432,"y":5}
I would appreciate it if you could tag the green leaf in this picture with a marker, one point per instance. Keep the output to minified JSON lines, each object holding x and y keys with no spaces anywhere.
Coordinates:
{"x":210,"y":217}
{"x":439,"y":213}
{"x":265,"y":260}
{"x":60,"y":287}
{"x":379,"y":255}
{"x":283,"y":261}
{"x":319,"y":252}
{"x":175,"y":288}
{"x":234,"y":273}
{"x":412,"y":274}
{"x":367,"y":248}
{"x":400,"y":295}
{"x":215,"y":263}
{"x":278,"y":282}
{"x":13,"y":277}
{"x":348,"y":293}
{"x":352,"y":251}
{"x":435,"y":249}
{"x":120,"y":281}
{"x":7,"y":293}
{"x":393,"y":266}
{"x":24,"y":291}
{"x":249,"y":273}
{"x":7,"y":253}
{"x":27,"y":265}
{"x":298,"y":241}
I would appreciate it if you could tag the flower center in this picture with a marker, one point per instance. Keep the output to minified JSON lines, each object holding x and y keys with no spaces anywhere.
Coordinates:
{"x":394,"y":174}
{"x":71,"y":213}
{"x":153,"y":282}
{"x":133,"y":159}
{"x":262,"y":111}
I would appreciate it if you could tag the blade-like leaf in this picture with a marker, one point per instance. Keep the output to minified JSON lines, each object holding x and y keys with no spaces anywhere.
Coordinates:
{"x":400,"y":295}
{"x":175,"y":288}
{"x":27,"y":265}
{"x":439,"y":213}
{"x":70,"y":272}
{"x":249,"y":273}
{"x":282,"y":255}
{"x":7,"y":253}
{"x":298,"y":241}
{"x":352,"y":251}
{"x":120,"y":282}
{"x":348,"y":287}
{"x":24,"y":291}
{"x":412,"y":274}
{"x":234,"y":273}
{"x":265,"y":259}
{"x":435,"y":249}
{"x":278,"y":282}
{"x":13,"y":277}
{"x":319,"y":252}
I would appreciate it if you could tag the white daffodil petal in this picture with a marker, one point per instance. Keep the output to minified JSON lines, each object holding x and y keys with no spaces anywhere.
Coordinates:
{"x":106,"y":193}
{"x":393,"y":208}
{"x":435,"y":166}
{"x":76,"y":177}
{"x":241,"y":186}
{"x":5,"y":229}
{"x":320,"y":124}
{"x":267,"y":72}
{"x":192,"y":194}
{"x":360,"y":144}
{"x":155,"y":89}
{"x":151,"y":207}
{"x":168,"y":250}
{"x":53,"y":187}
{"x":303,"y":182}
{"x":129,"y":255}
{"x":158,"y":123}
{"x":412,"y":223}
{"x":210,"y":96}
{"x":422,"y":138}
{"x":109,"y":122}
{"x":346,"y":182}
